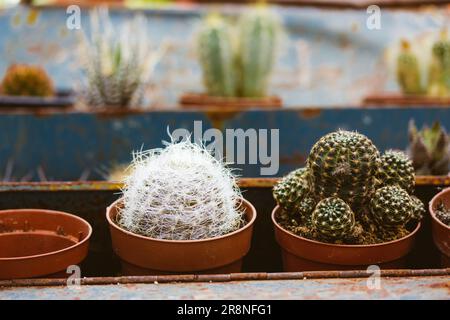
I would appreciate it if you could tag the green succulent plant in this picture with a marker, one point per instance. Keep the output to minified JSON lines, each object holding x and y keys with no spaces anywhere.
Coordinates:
{"x":358,"y":196}
{"x":439,"y":69}
{"x":408,"y":71}
{"x":396,"y":168}
{"x":429,"y":149}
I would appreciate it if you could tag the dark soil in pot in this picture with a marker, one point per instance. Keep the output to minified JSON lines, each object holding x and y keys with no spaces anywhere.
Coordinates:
{"x":38,"y":243}
{"x":440,"y":213}
{"x":301,"y":254}
{"x":147,"y":256}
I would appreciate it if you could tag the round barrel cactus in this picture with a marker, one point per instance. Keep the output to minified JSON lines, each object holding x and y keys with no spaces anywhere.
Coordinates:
{"x":396,"y":168}
{"x":391,"y":206}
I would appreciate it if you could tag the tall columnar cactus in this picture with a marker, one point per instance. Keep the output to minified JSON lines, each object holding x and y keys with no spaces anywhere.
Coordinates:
{"x":26,"y":80}
{"x":408,"y":71}
{"x":333,"y":218}
{"x":396,"y":168}
{"x":343,"y":164}
{"x":259,"y":33}
{"x":217,"y":57}
{"x":439,"y":70}
{"x":429,"y":149}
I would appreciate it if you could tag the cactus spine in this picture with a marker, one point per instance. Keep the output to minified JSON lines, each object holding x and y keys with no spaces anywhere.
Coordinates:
{"x":217,"y":57}
{"x":259,"y":32}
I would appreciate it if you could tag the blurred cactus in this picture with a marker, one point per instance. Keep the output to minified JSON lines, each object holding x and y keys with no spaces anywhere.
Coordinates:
{"x":259,"y":32}
{"x":27,"y":80}
{"x":240,"y":68}
{"x":217,"y":58}
{"x":408,"y":72}
{"x":439,"y":69}
{"x":117,"y":61}
{"x":429,"y":149}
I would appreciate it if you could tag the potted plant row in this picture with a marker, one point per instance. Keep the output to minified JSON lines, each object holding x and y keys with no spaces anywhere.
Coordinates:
{"x":237,"y":60}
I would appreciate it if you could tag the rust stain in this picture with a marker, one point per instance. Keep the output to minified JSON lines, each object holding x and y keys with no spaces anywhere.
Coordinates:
{"x":297,"y":158}
{"x":310,"y":113}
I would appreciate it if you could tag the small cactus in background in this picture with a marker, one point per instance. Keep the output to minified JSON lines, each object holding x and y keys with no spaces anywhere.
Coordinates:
{"x":27,"y":80}
{"x":258,"y":39}
{"x":396,"y":168}
{"x":333,"y":218}
{"x":429,"y":149}
{"x":439,"y":69}
{"x":217,"y":57}
{"x":180,"y":192}
{"x":117,"y":62}
{"x":238,"y":61}
{"x":358,"y":196}
{"x":408,"y":71}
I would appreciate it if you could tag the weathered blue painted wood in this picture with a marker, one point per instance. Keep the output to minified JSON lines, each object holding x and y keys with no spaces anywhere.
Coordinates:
{"x":68,"y":144}
{"x":330,"y":57}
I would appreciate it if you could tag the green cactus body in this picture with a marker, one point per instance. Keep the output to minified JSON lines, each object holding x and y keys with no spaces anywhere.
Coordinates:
{"x":408,"y":71}
{"x":429,"y":149}
{"x":293,"y":194}
{"x":439,"y":70}
{"x":391,"y":206}
{"x":259,"y":31}
{"x":396,"y":168}
{"x":333,"y":218}
{"x":418,"y":208}
{"x":217,"y":58}
{"x":343,"y":164}
{"x":27,"y":80}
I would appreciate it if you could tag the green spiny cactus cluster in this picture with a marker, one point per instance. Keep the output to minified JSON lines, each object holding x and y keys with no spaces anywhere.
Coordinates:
{"x":408,"y":71}
{"x":238,"y":61}
{"x":358,"y":196}
{"x":429,"y":149}
{"x":27,"y":80}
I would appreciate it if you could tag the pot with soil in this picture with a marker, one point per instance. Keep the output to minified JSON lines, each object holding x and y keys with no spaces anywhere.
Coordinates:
{"x":237,"y":60}
{"x":41,"y":243}
{"x":350,"y":207}
{"x":440,"y":224}
{"x":180,"y":212}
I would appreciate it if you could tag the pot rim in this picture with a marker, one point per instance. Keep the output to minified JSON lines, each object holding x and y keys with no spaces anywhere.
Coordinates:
{"x":115,"y":226}
{"x":86,"y":239}
{"x":432,"y":210}
{"x":411,"y":234}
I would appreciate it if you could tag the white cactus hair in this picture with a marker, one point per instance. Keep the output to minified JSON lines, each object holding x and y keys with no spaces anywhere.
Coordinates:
{"x":180,"y":192}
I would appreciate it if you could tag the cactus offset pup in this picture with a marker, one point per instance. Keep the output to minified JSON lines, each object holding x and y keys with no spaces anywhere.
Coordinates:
{"x":27,"y":80}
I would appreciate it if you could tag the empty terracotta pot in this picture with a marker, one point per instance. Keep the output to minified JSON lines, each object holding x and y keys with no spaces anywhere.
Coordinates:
{"x":147,"y":256}
{"x":36,"y":243}
{"x":301,"y":254}
{"x":441,"y":232}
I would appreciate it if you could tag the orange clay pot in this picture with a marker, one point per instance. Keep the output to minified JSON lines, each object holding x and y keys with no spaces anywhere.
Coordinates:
{"x":142,"y":255}
{"x":37,"y":243}
{"x":441,"y":232}
{"x":301,"y":254}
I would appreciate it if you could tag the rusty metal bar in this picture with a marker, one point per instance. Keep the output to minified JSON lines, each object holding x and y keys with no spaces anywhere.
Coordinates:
{"x":260,"y":276}
{"x":108,"y":186}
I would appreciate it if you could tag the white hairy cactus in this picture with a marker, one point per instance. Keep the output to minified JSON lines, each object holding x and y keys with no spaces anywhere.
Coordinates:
{"x":180,"y":192}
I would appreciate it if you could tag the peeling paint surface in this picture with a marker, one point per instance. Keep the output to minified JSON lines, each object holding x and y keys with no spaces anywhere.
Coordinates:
{"x":391,"y":288}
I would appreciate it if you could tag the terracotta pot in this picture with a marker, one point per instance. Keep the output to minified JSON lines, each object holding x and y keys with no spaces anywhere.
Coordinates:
{"x":301,"y":254}
{"x":441,"y":232}
{"x":194,"y":100}
{"x":35,"y":243}
{"x":147,"y":256}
